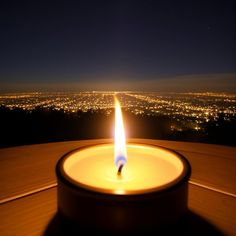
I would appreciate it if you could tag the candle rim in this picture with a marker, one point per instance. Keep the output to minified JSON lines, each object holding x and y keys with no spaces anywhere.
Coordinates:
{"x":184,"y":175}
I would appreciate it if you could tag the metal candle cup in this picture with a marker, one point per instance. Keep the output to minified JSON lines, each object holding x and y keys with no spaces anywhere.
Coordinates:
{"x":151,"y":191}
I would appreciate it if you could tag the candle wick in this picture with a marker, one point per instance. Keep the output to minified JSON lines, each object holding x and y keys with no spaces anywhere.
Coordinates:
{"x":120,"y":169}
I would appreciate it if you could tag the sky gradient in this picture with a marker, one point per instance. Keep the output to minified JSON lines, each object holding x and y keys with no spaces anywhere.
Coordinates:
{"x":89,"y":45}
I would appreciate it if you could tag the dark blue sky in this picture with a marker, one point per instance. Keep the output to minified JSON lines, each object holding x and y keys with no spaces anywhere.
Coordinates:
{"x":67,"y":42}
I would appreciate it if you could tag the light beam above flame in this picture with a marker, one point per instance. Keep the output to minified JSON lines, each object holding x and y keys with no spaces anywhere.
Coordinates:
{"x":120,"y":140}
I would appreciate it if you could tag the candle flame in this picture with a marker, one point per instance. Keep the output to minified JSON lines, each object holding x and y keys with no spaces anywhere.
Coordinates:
{"x":120,"y":140}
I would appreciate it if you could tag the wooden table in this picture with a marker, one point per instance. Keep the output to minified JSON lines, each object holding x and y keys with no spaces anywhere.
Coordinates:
{"x":28,"y":187}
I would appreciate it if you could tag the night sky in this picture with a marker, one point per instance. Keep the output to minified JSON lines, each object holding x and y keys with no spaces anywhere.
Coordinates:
{"x":142,"y":45}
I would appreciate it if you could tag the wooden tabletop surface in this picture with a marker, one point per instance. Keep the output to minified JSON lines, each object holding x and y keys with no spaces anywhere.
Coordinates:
{"x":28,"y":186}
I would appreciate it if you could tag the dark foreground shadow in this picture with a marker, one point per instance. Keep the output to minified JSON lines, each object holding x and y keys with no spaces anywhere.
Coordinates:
{"x":190,"y":224}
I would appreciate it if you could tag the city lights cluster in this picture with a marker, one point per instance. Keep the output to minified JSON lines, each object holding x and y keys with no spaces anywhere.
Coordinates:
{"x":183,"y":107}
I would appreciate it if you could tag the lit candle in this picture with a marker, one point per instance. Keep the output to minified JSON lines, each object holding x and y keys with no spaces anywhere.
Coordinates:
{"x":145,"y":187}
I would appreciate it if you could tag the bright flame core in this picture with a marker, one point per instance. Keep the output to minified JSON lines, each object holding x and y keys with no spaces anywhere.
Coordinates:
{"x":120,"y":141}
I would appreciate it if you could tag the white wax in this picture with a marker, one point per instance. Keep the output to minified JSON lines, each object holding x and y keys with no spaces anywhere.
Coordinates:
{"x":148,"y":169}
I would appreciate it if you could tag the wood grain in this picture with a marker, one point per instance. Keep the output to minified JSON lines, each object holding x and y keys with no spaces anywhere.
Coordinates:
{"x":217,"y":208}
{"x":213,"y":171}
{"x":32,"y":215}
{"x":28,"y":215}
{"x":28,"y":170}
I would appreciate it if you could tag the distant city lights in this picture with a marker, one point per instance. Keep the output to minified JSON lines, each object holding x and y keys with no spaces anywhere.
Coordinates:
{"x":194,"y":108}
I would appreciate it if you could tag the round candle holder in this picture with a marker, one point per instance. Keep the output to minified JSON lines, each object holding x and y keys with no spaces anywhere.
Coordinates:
{"x":101,"y":209}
